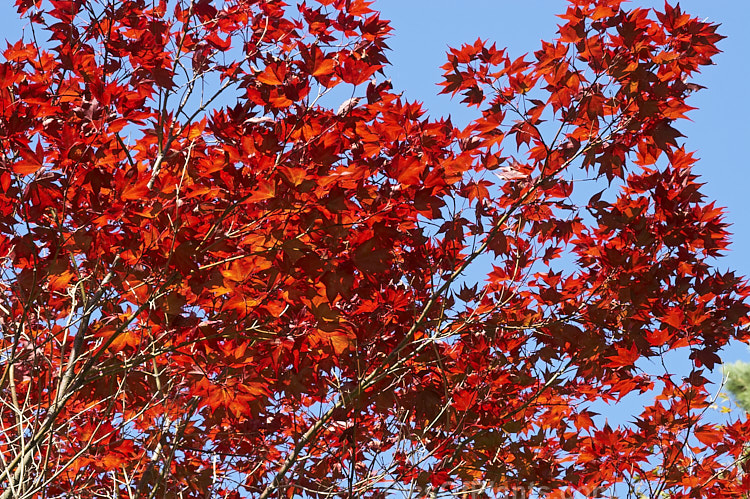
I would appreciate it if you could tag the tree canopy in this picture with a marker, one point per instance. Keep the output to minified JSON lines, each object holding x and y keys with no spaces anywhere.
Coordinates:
{"x":236,"y":262}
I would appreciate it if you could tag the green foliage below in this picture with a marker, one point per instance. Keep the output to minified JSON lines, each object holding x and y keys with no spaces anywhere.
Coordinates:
{"x":738,"y":383}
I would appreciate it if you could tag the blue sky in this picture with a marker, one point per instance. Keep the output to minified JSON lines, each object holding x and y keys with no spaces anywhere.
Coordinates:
{"x":719,"y":132}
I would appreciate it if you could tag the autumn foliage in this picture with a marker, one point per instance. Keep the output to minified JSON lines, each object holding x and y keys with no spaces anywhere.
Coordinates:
{"x":218,"y":283}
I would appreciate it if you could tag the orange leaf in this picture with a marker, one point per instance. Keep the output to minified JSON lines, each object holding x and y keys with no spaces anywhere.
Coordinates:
{"x":625,"y":357}
{"x":295,"y":176}
{"x":29,"y":163}
{"x":59,"y":281}
{"x":263,"y":190}
{"x":325,"y":68}
{"x":273,"y":74}
{"x":708,"y":435}
{"x":464,"y":399}
{"x":134,"y":191}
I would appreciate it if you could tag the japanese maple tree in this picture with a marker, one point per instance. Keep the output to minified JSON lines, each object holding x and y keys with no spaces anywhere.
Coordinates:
{"x":217,"y":282}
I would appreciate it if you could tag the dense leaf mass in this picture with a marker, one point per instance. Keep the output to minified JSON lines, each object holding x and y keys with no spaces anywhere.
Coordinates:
{"x":220,"y":281}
